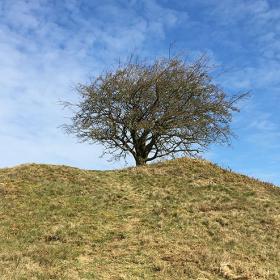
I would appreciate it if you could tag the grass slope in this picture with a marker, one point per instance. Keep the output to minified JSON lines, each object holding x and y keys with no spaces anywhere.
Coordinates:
{"x":181,"y":219}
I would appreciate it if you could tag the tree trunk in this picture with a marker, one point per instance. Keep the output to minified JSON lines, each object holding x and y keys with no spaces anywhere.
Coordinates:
{"x":140,"y":161}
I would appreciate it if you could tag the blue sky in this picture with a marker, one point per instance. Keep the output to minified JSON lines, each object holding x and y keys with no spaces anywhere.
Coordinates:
{"x":46,"y":47}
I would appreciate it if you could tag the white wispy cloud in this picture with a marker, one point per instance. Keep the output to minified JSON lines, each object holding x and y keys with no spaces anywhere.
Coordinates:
{"x":257,"y":23}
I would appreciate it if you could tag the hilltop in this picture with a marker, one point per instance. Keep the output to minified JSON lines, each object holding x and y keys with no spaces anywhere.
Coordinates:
{"x":180,"y":219}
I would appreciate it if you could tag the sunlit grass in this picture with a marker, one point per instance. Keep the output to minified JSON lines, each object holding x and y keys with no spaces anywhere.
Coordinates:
{"x":181,"y":219}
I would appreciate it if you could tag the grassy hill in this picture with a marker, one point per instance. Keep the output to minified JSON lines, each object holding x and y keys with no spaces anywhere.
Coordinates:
{"x":181,"y":219}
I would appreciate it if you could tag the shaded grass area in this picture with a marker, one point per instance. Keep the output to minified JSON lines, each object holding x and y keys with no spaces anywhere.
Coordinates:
{"x":181,"y":219}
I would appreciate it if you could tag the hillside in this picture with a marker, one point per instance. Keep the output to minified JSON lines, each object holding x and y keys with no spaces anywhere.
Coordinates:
{"x":181,"y":219}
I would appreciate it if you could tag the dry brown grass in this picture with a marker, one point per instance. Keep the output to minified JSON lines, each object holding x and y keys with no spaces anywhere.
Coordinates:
{"x":181,"y":219}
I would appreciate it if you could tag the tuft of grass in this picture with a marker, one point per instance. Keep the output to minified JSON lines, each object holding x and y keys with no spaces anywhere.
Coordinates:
{"x":180,"y":219}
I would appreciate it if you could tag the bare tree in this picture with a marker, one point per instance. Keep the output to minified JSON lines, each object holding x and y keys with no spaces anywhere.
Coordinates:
{"x":153,"y":110}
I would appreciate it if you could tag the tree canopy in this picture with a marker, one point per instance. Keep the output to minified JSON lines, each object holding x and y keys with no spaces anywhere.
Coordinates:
{"x":152,"y":110}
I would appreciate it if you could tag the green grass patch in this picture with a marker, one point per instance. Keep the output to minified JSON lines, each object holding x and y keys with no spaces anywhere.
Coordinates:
{"x":181,"y":219}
